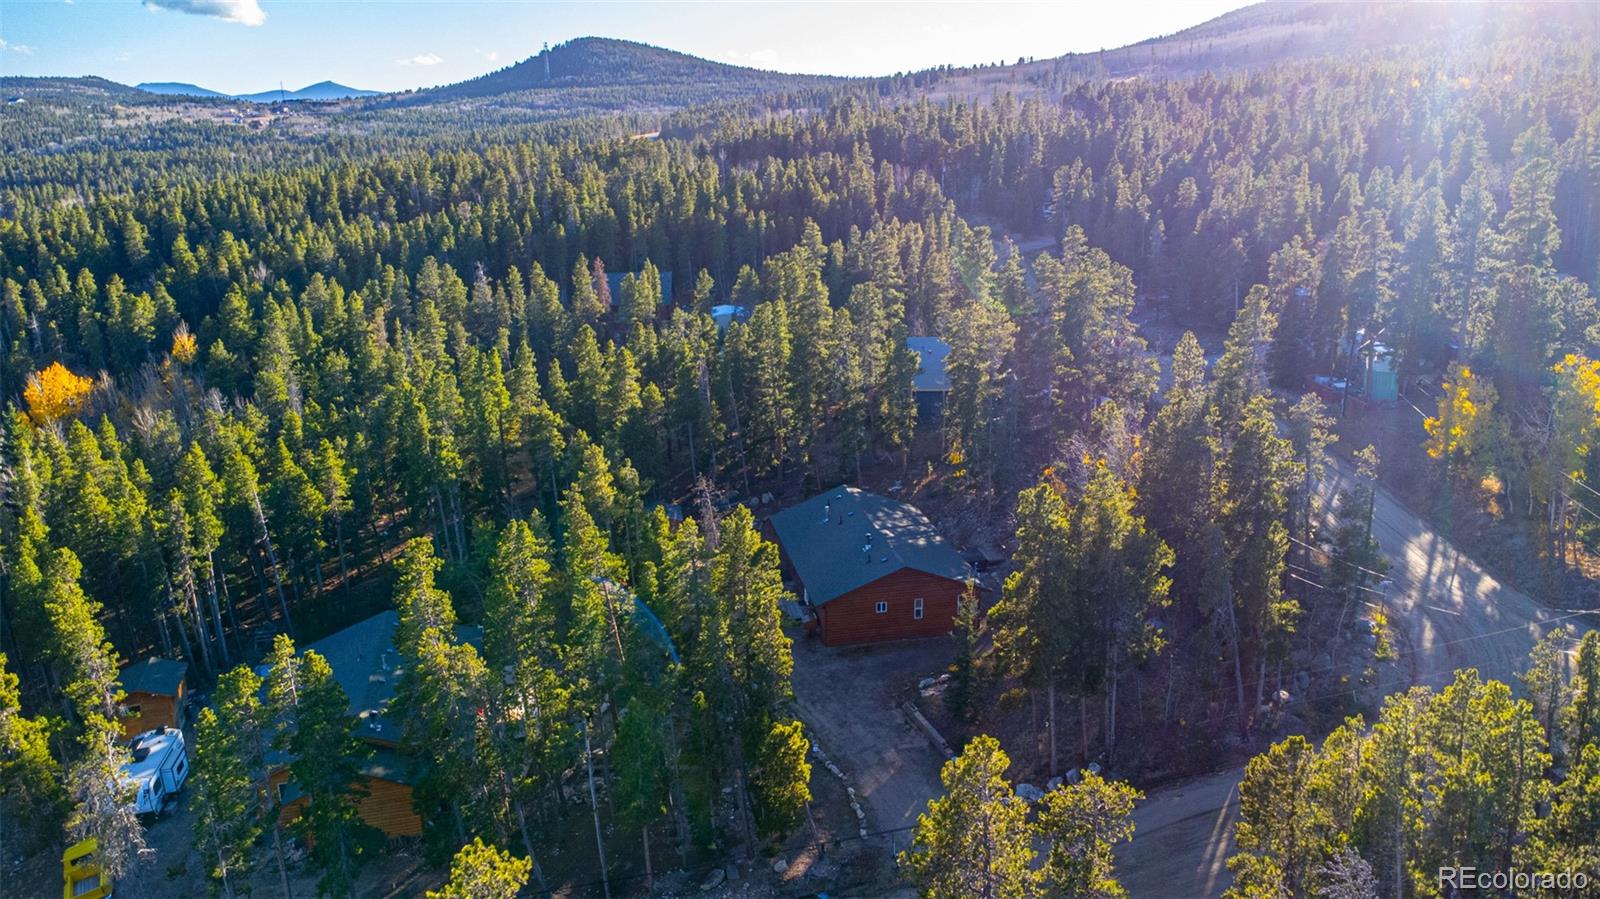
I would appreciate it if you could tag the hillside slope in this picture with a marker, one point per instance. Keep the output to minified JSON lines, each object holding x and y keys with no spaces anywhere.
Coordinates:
{"x":590,"y":73}
{"x":177,"y":89}
{"x":1280,"y":31}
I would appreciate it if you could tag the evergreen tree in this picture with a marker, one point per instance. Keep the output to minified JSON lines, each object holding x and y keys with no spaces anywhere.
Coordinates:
{"x":780,"y":779}
{"x":1580,"y":723}
{"x":1083,"y":823}
{"x":225,"y":802}
{"x":974,"y":842}
{"x":480,"y":871}
{"x":1257,"y":474}
{"x":32,"y":803}
{"x":86,"y":662}
{"x":981,"y":337}
{"x":966,"y":677}
{"x":1046,"y":633}
{"x":326,"y":767}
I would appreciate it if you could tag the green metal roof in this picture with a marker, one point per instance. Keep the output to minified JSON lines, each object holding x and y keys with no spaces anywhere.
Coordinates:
{"x":159,"y":677}
{"x":845,"y":538}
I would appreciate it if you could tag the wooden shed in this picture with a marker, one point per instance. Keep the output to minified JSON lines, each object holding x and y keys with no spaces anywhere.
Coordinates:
{"x":870,"y":568}
{"x":155,"y":693}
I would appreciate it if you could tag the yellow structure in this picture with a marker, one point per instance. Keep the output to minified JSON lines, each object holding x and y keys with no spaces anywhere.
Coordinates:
{"x":80,"y":869}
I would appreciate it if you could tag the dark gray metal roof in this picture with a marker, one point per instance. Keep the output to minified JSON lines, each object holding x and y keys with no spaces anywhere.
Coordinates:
{"x":159,"y":677}
{"x":368,"y":669}
{"x":931,"y":353}
{"x":846,"y":538}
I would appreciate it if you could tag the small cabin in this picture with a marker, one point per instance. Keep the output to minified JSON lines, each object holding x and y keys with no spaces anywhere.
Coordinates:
{"x":155,"y":695}
{"x":870,"y":568}
{"x":931,"y":383}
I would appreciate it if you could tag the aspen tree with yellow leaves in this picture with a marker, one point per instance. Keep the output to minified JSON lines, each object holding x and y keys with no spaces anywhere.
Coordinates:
{"x":55,"y":392}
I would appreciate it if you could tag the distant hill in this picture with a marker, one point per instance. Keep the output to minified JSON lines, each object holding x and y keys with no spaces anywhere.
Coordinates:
{"x":322,"y":90}
{"x":1277,"y":32}
{"x":1280,"y":31}
{"x":65,"y":88}
{"x":598,"y":63}
{"x":177,"y":88}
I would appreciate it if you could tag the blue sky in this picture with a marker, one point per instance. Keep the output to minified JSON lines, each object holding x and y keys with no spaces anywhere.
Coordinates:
{"x":250,"y":45}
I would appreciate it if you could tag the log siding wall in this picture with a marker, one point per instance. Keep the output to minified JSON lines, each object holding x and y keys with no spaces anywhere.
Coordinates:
{"x":852,"y":618}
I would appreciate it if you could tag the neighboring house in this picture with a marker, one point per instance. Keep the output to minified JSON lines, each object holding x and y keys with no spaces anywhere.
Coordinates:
{"x":155,"y":694}
{"x":726,"y":315}
{"x":614,"y":284}
{"x":870,"y":568}
{"x":1381,"y":380}
{"x":367,"y":667}
{"x":932,"y":382}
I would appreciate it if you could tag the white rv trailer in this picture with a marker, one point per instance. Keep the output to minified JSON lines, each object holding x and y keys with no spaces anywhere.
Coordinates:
{"x":160,"y":766}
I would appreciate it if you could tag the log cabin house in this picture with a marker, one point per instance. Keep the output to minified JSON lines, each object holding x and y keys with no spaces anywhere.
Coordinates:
{"x":367,"y":667}
{"x":155,"y":694}
{"x":870,"y":568}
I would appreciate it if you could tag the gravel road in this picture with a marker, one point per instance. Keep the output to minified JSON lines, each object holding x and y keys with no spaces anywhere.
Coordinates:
{"x":1450,"y":614}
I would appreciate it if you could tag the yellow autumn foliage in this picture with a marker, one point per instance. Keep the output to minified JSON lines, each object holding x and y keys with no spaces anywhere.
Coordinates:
{"x":184,"y":346}
{"x":55,"y":392}
{"x":1576,"y":411}
{"x":1463,"y":415}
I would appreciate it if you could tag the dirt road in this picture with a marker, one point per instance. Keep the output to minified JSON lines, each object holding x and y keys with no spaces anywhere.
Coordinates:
{"x":1450,"y":614}
{"x":848,"y":698}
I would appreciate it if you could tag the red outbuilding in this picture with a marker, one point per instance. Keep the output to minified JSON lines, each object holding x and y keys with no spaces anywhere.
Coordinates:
{"x":870,"y":568}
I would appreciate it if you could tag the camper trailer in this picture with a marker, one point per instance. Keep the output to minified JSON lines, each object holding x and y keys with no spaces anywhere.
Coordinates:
{"x":159,"y":767}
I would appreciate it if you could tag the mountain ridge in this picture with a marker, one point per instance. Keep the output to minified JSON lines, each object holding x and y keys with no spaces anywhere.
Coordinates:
{"x":322,"y":90}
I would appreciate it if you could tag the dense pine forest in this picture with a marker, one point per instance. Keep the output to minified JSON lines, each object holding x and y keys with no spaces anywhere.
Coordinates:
{"x":260,"y":384}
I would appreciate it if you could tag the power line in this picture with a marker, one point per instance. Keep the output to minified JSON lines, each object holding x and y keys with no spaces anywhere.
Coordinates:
{"x":1335,"y":558}
{"x":1574,"y":480}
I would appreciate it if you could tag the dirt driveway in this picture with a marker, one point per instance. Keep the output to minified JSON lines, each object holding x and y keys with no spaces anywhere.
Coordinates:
{"x":849,"y":698}
{"x":1450,"y":614}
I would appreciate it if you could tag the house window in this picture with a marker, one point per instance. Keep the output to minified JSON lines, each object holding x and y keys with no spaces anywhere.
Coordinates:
{"x":135,"y":711}
{"x":881,"y":607}
{"x":280,"y":792}
{"x":916,"y":608}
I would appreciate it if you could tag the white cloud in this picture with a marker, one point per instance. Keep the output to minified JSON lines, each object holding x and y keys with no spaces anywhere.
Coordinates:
{"x":245,"y":12}
{"x":491,"y":55}
{"x":421,"y":59}
{"x":19,"y":49}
